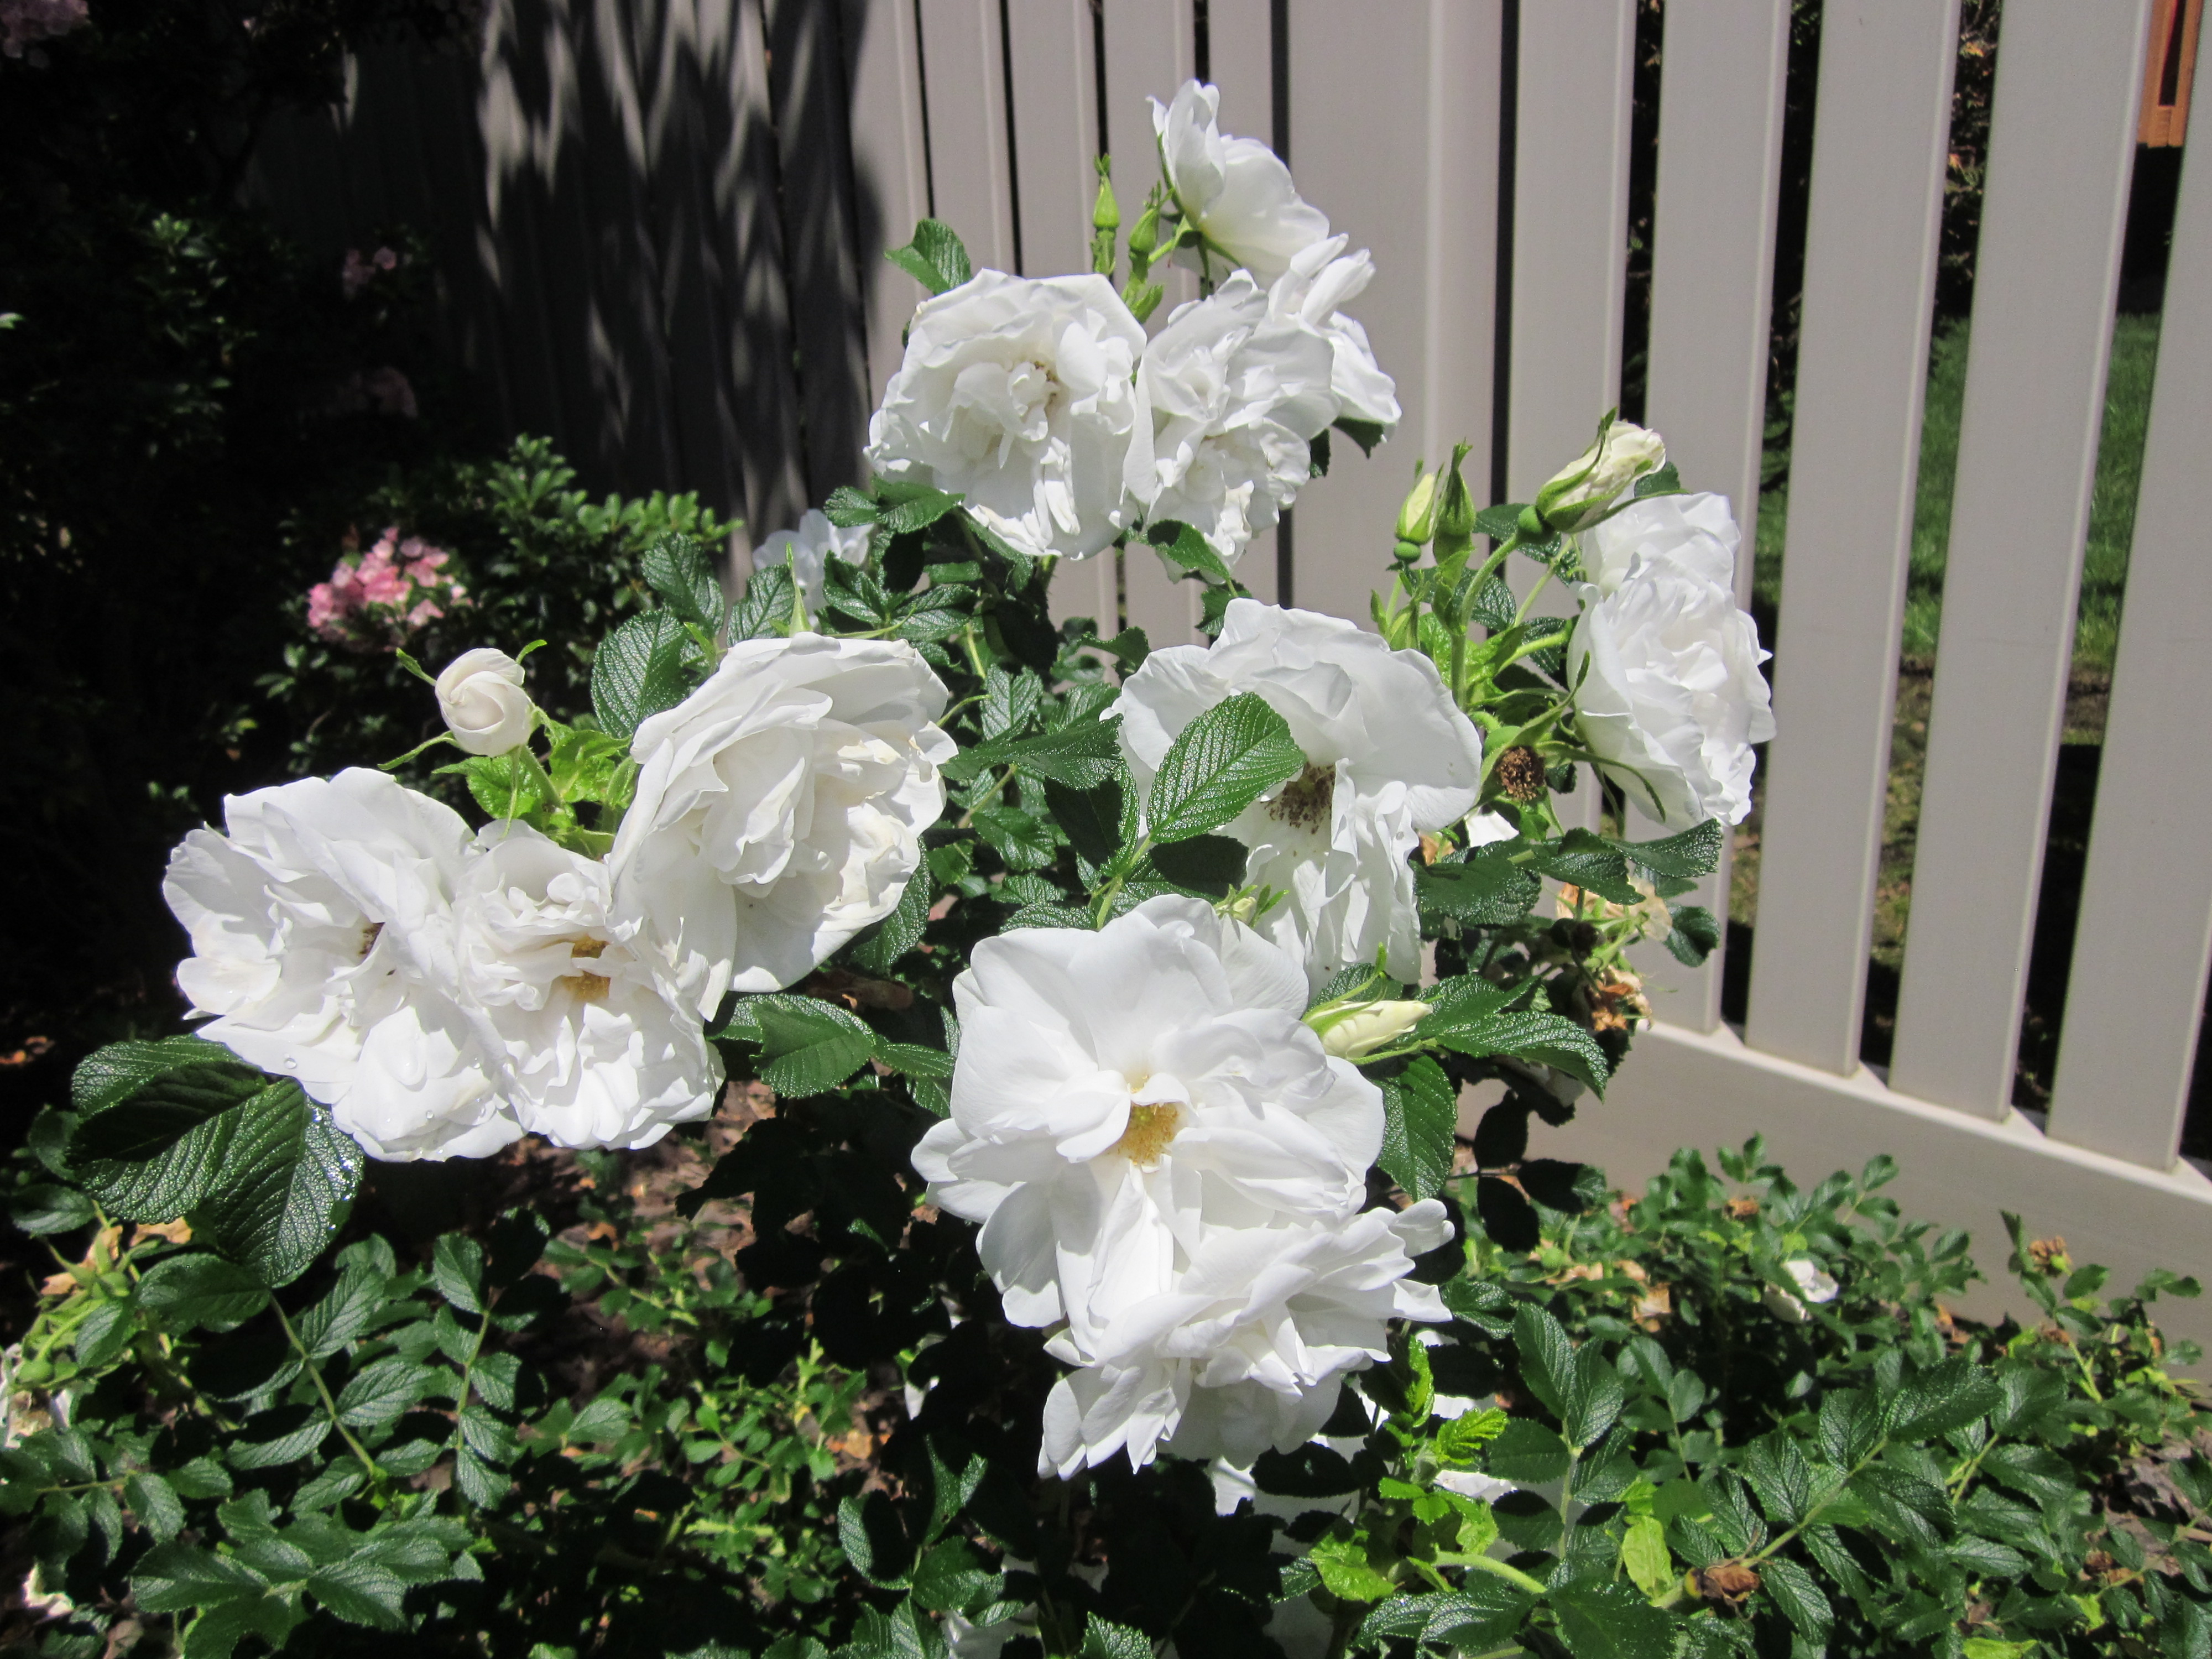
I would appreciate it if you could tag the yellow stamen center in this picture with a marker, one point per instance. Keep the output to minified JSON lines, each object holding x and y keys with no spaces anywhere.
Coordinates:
{"x":590,"y":987}
{"x":1151,"y":1128}
{"x":368,"y":938}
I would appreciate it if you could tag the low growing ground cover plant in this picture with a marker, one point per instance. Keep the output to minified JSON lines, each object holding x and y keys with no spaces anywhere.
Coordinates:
{"x":1098,"y":1266}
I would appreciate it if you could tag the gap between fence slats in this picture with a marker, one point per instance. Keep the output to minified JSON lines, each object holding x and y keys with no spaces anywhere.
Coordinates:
{"x":1712,"y":269}
{"x":2137,"y":988}
{"x":1569,"y":255}
{"x":1149,"y":51}
{"x":2062,"y":146}
{"x":890,"y":177}
{"x":1878,"y":151}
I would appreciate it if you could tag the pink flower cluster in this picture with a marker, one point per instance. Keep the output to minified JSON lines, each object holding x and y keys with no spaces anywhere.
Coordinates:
{"x":373,"y":602}
{"x":22,"y":21}
{"x":356,"y":273}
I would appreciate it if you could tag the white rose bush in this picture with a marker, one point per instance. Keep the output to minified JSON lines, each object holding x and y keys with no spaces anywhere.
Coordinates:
{"x":1116,"y":997}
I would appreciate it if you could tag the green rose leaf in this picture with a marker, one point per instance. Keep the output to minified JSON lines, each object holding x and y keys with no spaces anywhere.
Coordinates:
{"x":1420,"y":1107}
{"x":1220,"y":764}
{"x":936,"y":257}
{"x":676,"y":569}
{"x":641,"y":668}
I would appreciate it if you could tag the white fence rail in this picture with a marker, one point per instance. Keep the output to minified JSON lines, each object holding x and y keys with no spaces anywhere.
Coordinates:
{"x":662,"y":224}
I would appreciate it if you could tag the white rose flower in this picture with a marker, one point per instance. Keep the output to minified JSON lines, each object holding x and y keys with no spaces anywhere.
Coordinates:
{"x":1487,"y":829}
{"x":480,"y":693}
{"x":323,"y":944}
{"x":1228,"y":401}
{"x":1321,"y":278}
{"x":1247,"y":1350}
{"x":1235,"y":191}
{"x":1113,"y":1086}
{"x":1167,"y":1163}
{"x":586,"y":1037}
{"x":1582,"y":493}
{"x":1694,"y":533}
{"x":1669,"y":694}
{"x":779,"y":808}
{"x":809,"y":549}
{"x":1388,"y":757}
{"x":1015,"y":394}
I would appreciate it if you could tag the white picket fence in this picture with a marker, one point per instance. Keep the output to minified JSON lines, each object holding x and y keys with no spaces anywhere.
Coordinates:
{"x":662,"y":223}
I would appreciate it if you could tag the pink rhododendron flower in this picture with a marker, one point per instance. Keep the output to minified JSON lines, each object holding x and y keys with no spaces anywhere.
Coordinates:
{"x":373,"y":601}
{"x":22,"y":21}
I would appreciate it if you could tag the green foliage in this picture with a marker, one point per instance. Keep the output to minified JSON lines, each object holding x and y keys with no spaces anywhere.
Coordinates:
{"x":402,"y":1444}
{"x":1704,"y":1470}
{"x":936,"y":257}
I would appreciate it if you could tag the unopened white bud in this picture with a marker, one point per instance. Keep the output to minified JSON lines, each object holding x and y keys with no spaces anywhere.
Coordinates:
{"x":1353,"y":1030}
{"x":480,"y":693}
{"x":1584,"y":493}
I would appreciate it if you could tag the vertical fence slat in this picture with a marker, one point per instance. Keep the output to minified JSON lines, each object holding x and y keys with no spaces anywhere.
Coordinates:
{"x":760,"y":421}
{"x":1242,"y":62}
{"x":2062,"y":145}
{"x":1149,"y":51}
{"x":1381,"y":140}
{"x":1879,"y":153}
{"x":691,"y":285}
{"x":890,"y":172}
{"x":814,"y":145}
{"x":1712,"y":269}
{"x":965,"y":84}
{"x":2137,"y":989}
{"x":520,"y":145}
{"x":1459,"y":276}
{"x":1570,"y":254}
{"x":1055,"y":123}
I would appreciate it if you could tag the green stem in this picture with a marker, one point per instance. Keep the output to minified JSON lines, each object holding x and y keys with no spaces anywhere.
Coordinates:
{"x":1497,"y":1569}
{"x":322,"y":1392}
{"x":975,"y":651}
{"x":1106,"y":893}
{"x":984,"y":799}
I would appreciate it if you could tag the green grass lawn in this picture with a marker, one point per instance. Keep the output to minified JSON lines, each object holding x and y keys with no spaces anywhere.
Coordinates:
{"x":2111,"y":525}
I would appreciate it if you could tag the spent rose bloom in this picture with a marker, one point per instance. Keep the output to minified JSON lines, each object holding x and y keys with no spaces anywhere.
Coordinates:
{"x":1016,"y":393}
{"x":1321,"y":278}
{"x":1166,"y":1160}
{"x":1388,"y":757}
{"x":1229,"y":398}
{"x":481,"y":697}
{"x":1235,"y":191}
{"x":779,"y":808}
{"x":1667,"y":691}
{"x":809,"y":549}
{"x":324,"y":948}
{"x":578,"y":1018}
